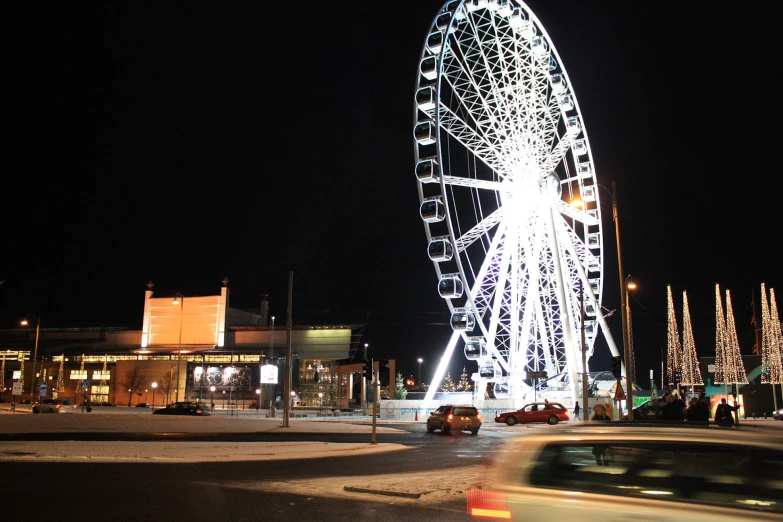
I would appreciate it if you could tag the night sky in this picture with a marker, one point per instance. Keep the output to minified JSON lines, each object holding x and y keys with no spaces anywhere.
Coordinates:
{"x":185,"y":142}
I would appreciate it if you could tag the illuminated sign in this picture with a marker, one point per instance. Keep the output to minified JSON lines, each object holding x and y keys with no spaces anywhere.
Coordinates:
{"x":269,"y":374}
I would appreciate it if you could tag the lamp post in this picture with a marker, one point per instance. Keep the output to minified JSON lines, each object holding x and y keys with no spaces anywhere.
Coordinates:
{"x":212,"y":398}
{"x":272,"y":362}
{"x":154,"y":387}
{"x":585,"y":401}
{"x":130,"y":398}
{"x":179,"y":299}
{"x":146,"y":395}
{"x":629,"y":285}
{"x":624,"y":305}
{"x":35,"y":354}
{"x":258,"y":399}
{"x":321,"y":403}
{"x":420,"y":361}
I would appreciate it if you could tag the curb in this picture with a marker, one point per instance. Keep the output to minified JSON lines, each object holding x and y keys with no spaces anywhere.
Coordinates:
{"x":382,"y":492}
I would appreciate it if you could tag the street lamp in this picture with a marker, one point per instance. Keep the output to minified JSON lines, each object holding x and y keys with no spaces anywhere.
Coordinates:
{"x":272,"y":362}
{"x":420,"y":361}
{"x":130,"y":398}
{"x":585,"y":392}
{"x":321,"y":403}
{"x":179,"y":299}
{"x":154,"y":387}
{"x":623,"y":302}
{"x":212,"y":398}
{"x":35,"y":353}
{"x":629,"y":376}
{"x":147,"y":396}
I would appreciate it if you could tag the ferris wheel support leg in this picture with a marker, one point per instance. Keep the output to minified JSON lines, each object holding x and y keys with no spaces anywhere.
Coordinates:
{"x":591,"y":296}
{"x":441,"y":371}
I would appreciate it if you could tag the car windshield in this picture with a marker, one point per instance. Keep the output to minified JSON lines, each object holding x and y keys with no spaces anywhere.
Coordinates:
{"x":464,"y":412}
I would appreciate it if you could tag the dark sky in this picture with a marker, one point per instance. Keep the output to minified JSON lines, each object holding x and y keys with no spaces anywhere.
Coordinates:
{"x":185,"y":142}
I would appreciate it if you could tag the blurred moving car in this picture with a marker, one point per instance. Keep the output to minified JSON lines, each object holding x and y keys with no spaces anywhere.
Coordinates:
{"x":778,"y":415}
{"x":550,"y":412}
{"x":184,"y":408}
{"x":644,"y":471}
{"x":54,"y":406}
{"x":142,"y":405}
{"x":103,"y":404}
{"x":452,"y":417}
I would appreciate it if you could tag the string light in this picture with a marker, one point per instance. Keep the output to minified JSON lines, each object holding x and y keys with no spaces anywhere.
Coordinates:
{"x":691,"y":374}
{"x":79,"y":382}
{"x":771,"y":373}
{"x":61,"y":377}
{"x":735,"y":368}
{"x":674,"y":352}
{"x":720,"y":340}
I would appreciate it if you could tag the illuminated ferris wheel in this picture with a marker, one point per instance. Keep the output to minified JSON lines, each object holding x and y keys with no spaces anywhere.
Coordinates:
{"x":501,"y":153}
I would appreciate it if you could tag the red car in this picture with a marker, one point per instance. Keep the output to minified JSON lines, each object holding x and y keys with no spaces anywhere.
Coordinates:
{"x":551,"y":412}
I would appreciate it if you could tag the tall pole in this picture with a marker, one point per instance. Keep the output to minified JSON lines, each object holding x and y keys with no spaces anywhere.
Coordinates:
{"x":272,"y":362}
{"x":179,"y":299}
{"x":289,"y":355}
{"x":35,"y":357}
{"x":585,"y":401}
{"x":624,"y":307}
{"x":420,"y":361}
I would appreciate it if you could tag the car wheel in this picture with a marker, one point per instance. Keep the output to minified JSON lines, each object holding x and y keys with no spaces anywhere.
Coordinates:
{"x":445,"y":429}
{"x":474,"y":432}
{"x":430,"y":429}
{"x":511,"y":421}
{"x":36,"y":410}
{"x":553,"y":420}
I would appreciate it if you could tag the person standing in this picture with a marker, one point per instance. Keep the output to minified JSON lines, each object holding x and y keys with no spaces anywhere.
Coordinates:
{"x":673,"y":410}
{"x":576,"y":411}
{"x":723,"y":413}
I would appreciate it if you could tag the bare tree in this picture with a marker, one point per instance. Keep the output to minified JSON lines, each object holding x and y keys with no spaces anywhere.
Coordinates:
{"x":134,"y":381}
{"x":167,"y":382}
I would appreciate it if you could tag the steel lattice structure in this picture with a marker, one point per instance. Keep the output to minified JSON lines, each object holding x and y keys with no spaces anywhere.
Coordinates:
{"x":501,"y":152}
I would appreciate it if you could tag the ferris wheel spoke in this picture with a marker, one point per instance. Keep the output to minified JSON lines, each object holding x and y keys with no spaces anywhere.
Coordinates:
{"x":481,"y":228}
{"x":589,"y":218}
{"x":474,"y":140}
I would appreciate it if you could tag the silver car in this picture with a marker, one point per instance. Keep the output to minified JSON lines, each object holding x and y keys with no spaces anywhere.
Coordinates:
{"x":635,"y":472}
{"x":54,"y":406}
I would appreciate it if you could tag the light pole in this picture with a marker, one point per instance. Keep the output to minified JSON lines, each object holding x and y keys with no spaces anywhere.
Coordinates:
{"x":258,"y":399}
{"x":420,"y":361}
{"x":624,"y":305}
{"x":130,"y":398}
{"x":320,"y":403}
{"x":212,"y":398}
{"x":147,"y":396}
{"x":35,"y":354}
{"x":272,"y":362}
{"x":585,"y":401}
{"x":179,"y":300}
{"x":154,"y":387}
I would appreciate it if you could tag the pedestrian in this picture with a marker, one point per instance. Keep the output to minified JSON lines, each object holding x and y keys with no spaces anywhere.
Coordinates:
{"x":673,"y":410}
{"x":599,"y":413}
{"x":576,"y":411}
{"x":693,"y":413}
{"x":723,"y":413}
{"x":212,"y":407}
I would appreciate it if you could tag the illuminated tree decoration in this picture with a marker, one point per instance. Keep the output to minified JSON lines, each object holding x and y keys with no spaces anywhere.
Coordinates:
{"x":771,"y":355}
{"x":464,"y":381}
{"x":691,"y":374}
{"x":735,"y":369}
{"x":674,"y":353}
{"x":81,"y":372}
{"x":60,"y":376}
{"x":21,"y":371}
{"x":720,"y":340}
{"x":103,"y":375}
{"x":2,"y":374}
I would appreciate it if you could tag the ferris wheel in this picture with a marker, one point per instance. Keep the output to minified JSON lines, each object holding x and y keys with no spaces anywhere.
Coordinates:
{"x":501,"y":154}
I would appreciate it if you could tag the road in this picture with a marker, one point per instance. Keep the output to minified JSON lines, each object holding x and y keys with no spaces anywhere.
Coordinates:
{"x":138,"y":467}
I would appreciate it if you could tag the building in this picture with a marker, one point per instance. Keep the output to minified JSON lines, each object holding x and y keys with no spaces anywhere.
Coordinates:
{"x":189,"y":348}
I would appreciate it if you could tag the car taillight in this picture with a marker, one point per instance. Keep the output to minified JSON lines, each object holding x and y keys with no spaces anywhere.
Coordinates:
{"x":198,"y":411}
{"x":57,"y":406}
{"x":450,"y":416}
{"x":484,"y":503}
{"x":478,"y":416}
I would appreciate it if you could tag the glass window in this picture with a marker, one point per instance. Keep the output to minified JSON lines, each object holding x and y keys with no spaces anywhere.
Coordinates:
{"x":726,"y":475}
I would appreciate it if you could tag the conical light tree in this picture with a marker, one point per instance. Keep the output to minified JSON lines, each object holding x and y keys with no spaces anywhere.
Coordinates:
{"x":61,"y":377}
{"x":674,"y":352}
{"x":103,"y":376}
{"x":2,"y":374}
{"x":735,"y":368}
{"x":772,"y":370}
{"x":691,"y":374}
{"x":721,"y":363}
{"x":79,"y":382}
{"x":21,"y":371}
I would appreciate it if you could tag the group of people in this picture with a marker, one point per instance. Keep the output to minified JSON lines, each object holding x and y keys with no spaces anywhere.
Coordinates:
{"x":673,"y":408}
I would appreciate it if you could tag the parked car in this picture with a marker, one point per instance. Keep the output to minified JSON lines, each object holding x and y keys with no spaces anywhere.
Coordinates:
{"x":184,"y":408}
{"x":103,"y":404}
{"x":142,"y":405}
{"x":54,"y":406}
{"x":648,"y":410}
{"x":551,"y":412}
{"x":454,"y":417}
{"x":778,"y":415}
{"x":622,"y":471}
